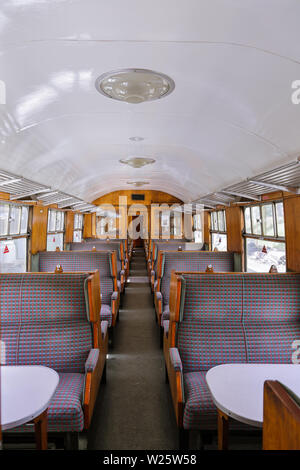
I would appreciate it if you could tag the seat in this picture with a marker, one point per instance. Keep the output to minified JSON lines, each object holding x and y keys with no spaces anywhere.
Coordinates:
{"x":53,"y":320}
{"x":199,"y":411}
{"x":65,"y":412}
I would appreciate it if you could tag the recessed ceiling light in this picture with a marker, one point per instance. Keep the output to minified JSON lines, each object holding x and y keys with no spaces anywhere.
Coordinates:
{"x":134,"y":85}
{"x":138,"y":183}
{"x":137,"y":162}
{"x":136,"y":138}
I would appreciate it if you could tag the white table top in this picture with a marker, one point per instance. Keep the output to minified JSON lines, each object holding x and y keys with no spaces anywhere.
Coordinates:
{"x":237,"y":389}
{"x":26,"y":392}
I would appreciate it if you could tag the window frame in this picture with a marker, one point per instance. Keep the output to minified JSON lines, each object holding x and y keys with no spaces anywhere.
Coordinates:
{"x":9,"y":236}
{"x":14,"y":236}
{"x":77,"y":228}
{"x":275,"y":238}
{"x":262,"y":236}
{"x":213,"y":230}
{"x":217,"y":231}
{"x":53,"y":232}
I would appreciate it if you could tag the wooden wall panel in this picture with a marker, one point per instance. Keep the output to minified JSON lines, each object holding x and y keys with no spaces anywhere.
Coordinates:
{"x":235,"y":226}
{"x":39,"y":229}
{"x":118,"y":200}
{"x":292,"y":232}
{"x":151,"y":197}
{"x":4,"y":196}
{"x":89,"y":225}
{"x":206,"y":231}
{"x":69,"y":227}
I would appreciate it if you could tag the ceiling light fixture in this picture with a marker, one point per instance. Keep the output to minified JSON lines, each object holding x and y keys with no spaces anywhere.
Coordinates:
{"x":136,"y":138}
{"x":137,"y":162}
{"x":134,"y":85}
{"x":138,"y":183}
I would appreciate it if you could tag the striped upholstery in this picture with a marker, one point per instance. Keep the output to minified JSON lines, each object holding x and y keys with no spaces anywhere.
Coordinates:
{"x":92,"y":360}
{"x":100,"y":246}
{"x":65,"y":412}
{"x":44,"y":320}
{"x":82,"y":261}
{"x":200,"y":411}
{"x":193,"y":261}
{"x":211,"y":331}
{"x":233,"y":318}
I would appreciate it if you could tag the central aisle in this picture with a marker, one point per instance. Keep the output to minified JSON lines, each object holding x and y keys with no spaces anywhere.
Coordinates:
{"x":134,"y":409}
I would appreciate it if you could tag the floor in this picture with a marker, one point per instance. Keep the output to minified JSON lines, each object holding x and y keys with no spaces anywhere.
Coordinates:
{"x":134,"y":409}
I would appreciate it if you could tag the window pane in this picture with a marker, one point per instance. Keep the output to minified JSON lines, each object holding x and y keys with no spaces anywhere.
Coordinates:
{"x":267,"y":220}
{"x":214,"y":221}
{"x":280,"y":219}
{"x":4,"y":210}
{"x":55,"y":240}
{"x":256,"y":223}
{"x":15,"y":220}
{"x":77,"y":236}
{"x":24,"y":220}
{"x":247,"y":217}
{"x":219,"y":241}
{"x":13,"y":255}
{"x":261,"y":254}
{"x":198,"y":236}
{"x":51,"y":220}
{"x":80,"y":221}
{"x":221,"y":221}
{"x":59,"y":221}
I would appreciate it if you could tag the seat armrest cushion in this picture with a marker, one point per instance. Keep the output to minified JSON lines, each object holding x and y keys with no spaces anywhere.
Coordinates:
{"x":104,"y":328}
{"x":175,"y":359}
{"x":91,"y":362}
{"x":122,"y":272}
{"x":114,"y":295}
{"x":158,"y":295}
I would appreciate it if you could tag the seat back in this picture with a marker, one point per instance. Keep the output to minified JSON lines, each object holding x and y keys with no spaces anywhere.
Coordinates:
{"x":191,"y":261}
{"x":102,"y":245}
{"x":45,"y":320}
{"x":238,"y":317}
{"x":83,"y":261}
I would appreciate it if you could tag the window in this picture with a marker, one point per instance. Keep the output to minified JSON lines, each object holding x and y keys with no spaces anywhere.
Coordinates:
{"x":13,"y":237}
{"x":218,"y":231}
{"x":198,"y":235}
{"x":55,"y":231}
{"x":264,"y":237}
{"x":78,"y":226}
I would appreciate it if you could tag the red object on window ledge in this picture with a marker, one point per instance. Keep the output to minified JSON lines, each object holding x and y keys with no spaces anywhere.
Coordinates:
{"x":264,"y":249}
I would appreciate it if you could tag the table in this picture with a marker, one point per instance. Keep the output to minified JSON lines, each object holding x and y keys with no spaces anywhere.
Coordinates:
{"x":26,"y":392}
{"x":237,"y":391}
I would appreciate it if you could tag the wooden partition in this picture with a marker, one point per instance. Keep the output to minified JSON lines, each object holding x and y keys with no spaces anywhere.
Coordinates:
{"x":292,"y":232}
{"x":39,"y":229}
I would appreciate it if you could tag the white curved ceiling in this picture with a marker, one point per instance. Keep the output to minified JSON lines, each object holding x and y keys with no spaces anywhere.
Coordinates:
{"x":229,"y":117}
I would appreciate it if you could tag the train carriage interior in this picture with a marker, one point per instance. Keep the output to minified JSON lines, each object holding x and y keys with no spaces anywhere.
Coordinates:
{"x":149,"y":225}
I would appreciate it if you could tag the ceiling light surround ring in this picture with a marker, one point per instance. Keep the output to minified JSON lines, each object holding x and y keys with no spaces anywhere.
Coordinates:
{"x":136,"y":138}
{"x":134,"y":85}
{"x":137,"y":162}
{"x":138,"y":184}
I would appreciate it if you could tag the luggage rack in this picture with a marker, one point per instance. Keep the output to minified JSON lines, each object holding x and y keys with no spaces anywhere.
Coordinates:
{"x":21,"y":189}
{"x":283,"y":178}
